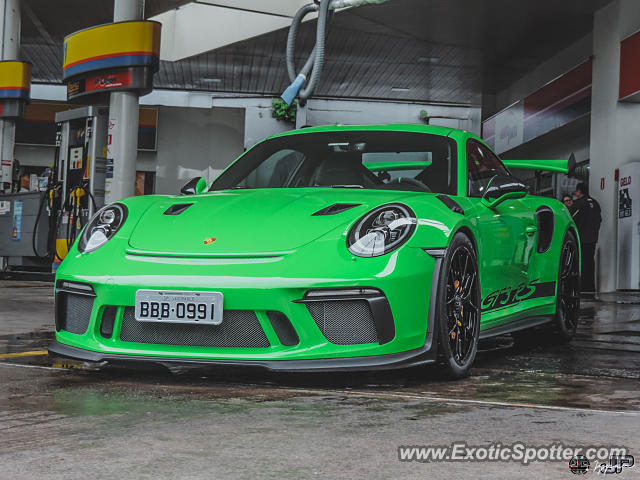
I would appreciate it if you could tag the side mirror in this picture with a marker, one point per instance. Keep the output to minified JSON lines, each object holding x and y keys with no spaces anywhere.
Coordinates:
{"x":195,"y":186}
{"x":501,"y":188}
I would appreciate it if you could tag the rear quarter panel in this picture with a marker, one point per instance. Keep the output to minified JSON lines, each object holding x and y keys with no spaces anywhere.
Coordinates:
{"x":544,"y":265}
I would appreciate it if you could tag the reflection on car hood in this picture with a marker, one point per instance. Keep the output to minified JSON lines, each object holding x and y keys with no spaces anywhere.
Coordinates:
{"x":250,"y":222}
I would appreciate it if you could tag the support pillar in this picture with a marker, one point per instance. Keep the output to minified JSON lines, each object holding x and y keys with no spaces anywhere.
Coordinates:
{"x":9,"y":50}
{"x":123,"y":123}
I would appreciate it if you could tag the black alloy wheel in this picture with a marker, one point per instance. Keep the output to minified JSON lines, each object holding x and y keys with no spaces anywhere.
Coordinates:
{"x":459,"y":312}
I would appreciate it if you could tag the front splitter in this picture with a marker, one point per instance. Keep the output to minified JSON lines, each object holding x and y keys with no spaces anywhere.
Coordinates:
{"x":411,"y":358}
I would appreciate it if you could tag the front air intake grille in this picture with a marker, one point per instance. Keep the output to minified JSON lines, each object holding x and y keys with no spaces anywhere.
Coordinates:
{"x":283,"y":328}
{"x":344,"y":322}
{"x":239,"y":328}
{"x":73,"y":312}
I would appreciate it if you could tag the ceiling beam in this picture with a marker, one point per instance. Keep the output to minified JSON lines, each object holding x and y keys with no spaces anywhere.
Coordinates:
{"x":206,"y":25}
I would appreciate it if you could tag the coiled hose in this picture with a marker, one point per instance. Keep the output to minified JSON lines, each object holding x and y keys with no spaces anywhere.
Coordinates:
{"x":315,"y":61}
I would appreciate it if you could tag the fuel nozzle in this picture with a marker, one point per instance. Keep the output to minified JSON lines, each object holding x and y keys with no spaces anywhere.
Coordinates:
{"x":54,"y":197}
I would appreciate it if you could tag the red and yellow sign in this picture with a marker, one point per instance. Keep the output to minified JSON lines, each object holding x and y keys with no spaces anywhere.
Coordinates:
{"x":115,"y":45}
{"x":107,"y":81}
{"x":15,"y":80}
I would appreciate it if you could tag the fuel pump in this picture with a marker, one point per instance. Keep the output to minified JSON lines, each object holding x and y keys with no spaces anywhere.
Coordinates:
{"x":79,"y":172}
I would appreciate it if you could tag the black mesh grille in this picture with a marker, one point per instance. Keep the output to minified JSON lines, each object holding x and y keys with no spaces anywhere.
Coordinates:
{"x":73,"y":312}
{"x":239,"y":328}
{"x":344,"y":322}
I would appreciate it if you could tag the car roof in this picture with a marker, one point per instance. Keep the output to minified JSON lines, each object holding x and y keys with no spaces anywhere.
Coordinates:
{"x":390,"y":127}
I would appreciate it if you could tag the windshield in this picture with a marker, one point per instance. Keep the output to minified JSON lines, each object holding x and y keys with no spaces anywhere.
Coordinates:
{"x":347,"y":159}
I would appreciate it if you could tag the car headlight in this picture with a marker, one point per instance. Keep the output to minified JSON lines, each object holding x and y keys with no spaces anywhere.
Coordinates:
{"x":382,"y":230}
{"x":102,"y":227}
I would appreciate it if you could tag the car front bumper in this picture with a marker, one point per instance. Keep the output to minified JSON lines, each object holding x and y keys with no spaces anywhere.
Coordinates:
{"x":406,"y":279}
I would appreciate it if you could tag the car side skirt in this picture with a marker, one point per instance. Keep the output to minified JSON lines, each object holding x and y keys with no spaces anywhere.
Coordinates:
{"x":515,"y":326}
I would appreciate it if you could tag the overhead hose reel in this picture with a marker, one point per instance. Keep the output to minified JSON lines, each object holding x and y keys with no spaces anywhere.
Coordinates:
{"x":312,"y":68}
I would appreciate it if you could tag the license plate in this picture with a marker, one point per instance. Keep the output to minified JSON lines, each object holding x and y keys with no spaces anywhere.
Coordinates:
{"x":179,"y":307}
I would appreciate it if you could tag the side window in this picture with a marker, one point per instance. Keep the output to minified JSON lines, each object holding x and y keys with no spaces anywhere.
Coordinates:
{"x":482,"y":166}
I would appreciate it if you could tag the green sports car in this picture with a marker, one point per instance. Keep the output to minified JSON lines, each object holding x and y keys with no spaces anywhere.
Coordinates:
{"x":327,"y":248}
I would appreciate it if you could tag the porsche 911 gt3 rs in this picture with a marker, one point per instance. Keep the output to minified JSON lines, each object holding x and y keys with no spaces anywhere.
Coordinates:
{"x":327,"y":248}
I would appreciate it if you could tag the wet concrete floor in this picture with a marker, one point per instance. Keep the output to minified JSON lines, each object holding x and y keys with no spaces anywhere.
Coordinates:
{"x":66,"y":419}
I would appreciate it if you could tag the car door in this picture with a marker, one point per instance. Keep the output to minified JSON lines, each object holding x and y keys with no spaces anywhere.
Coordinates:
{"x":506,"y":237}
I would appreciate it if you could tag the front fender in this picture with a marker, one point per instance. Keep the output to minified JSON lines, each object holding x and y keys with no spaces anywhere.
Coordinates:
{"x":436,"y":224}
{"x":136,"y":207}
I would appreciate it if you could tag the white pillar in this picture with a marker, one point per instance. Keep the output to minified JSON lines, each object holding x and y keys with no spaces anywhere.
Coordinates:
{"x":9,"y":50}
{"x":615,"y":132}
{"x":123,"y":122}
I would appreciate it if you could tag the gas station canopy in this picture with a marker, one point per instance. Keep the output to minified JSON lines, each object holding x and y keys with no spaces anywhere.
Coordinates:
{"x":448,"y":51}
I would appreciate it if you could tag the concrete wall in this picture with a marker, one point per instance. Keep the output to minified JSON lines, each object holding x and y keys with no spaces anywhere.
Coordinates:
{"x":615,"y":126}
{"x":323,"y":112}
{"x":259,"y":123}
{"x":194,"y":142}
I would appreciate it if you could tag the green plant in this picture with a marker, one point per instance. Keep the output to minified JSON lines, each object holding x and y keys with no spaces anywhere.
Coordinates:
{"x":281,"y":111}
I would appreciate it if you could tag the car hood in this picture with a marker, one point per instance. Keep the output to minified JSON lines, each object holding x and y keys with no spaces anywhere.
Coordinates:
{"x":250,"y":222}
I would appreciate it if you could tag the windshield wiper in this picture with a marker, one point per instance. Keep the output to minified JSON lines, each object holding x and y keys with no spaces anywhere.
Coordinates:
{"x":346,"y":186}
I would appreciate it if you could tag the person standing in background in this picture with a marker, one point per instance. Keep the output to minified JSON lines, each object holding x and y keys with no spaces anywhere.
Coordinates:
{"x":25,"y":183}
{"x":586,"y":214}
{"x":567,"y":201}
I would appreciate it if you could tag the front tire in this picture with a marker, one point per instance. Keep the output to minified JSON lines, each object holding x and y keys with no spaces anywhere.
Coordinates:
{"x":458,"y":319}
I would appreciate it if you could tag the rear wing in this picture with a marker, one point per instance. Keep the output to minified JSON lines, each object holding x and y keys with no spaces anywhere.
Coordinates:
{"x":392,"y":166}
{"x":561,"y":166}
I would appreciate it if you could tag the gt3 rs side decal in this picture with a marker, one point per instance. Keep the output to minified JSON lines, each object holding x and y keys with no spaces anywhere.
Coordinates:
{"x":508,"y":296}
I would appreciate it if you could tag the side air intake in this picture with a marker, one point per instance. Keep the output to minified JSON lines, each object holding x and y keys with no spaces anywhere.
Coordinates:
{"x":546,"y":221}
